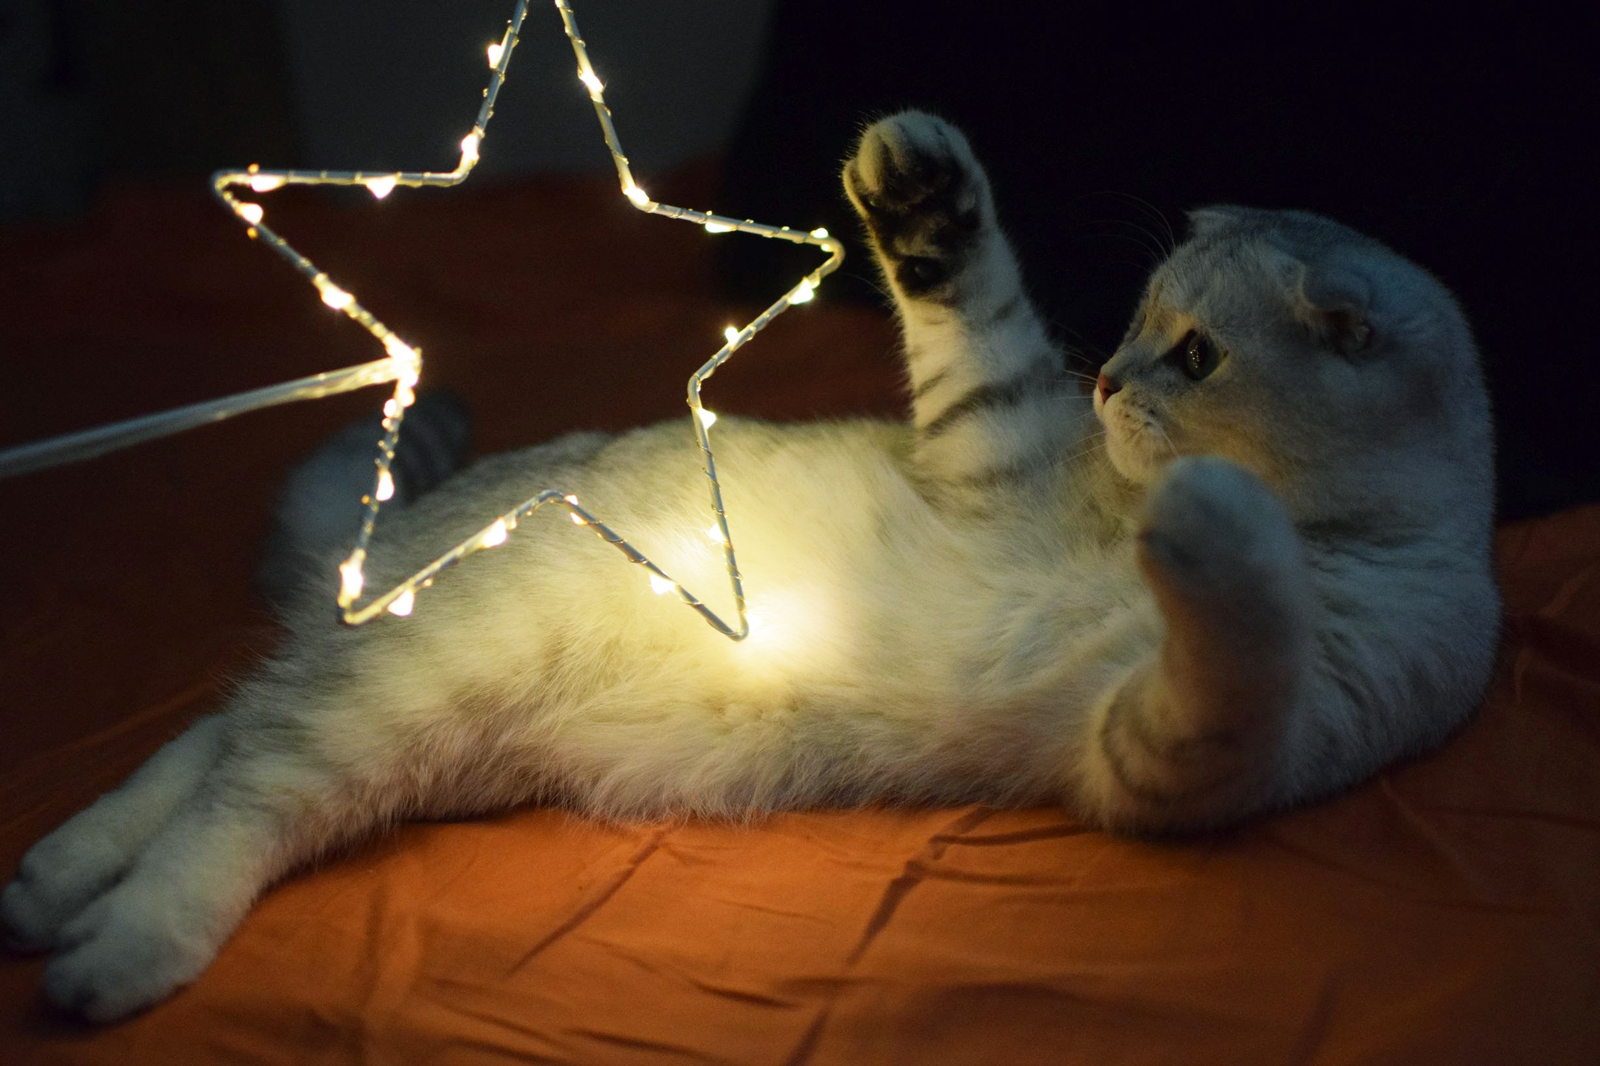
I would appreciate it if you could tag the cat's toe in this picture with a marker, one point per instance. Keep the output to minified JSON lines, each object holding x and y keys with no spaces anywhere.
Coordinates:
{"x":57,"y":878}
{"x":25,"y":919}
{"x":122,"y":954}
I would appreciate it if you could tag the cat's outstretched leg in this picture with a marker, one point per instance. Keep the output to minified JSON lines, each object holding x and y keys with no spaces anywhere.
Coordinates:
{"x":992,"y":402}
{"x":271,"y":801}
{"x":64,"y":871}
{"x":1203,"y":733}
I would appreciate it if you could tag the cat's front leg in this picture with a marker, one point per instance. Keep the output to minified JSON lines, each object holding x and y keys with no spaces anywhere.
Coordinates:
{"x":1198,"y":735}
{"x":991,"y":399}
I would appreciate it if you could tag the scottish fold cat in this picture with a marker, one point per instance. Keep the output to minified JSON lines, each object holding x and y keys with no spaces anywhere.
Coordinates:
{"x":1248,"y":571}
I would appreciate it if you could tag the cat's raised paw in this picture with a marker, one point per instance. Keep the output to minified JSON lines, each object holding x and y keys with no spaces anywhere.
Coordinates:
{"x":914,"y":180}
{"x":1213,"y":528}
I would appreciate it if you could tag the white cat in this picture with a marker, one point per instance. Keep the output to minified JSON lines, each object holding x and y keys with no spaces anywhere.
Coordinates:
{"x":1269,"y":579}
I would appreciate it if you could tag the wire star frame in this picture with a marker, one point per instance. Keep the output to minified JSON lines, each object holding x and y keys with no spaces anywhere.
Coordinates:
{"x":403,"y":363}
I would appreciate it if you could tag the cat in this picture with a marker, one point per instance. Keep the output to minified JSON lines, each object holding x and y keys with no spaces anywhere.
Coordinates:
{"x":1250,"y":570}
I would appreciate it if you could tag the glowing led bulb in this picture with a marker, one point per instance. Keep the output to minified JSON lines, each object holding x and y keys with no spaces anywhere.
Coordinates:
{"x":350,"y":580}
{"x":637,"y":195}
{"x":495,"y":51}
{"x":732,"y":336}
{"x":385,"y":481}
{"x":496,"y":534}
{"x":590,"y":82}
{"x":399,"y":349}
{"x":708,"y":417}
{"x":577,"y":519}
{"x":403,"y":603}
{"x":407,"y":373}
{"x":251,"y":213}
{"x":718,"y":227}
{"x":469,"y":149}
{"x":714,"y":534}
{"x":265,"y":182}
{"x":381,"y":187}
{"x":803,"y":293}
{"x":332,"y":295}
{"x":820,"y":233}
{"x":661,"y":585}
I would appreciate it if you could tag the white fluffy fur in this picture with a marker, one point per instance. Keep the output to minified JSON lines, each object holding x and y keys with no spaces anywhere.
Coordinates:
{"x":1267,"y":585}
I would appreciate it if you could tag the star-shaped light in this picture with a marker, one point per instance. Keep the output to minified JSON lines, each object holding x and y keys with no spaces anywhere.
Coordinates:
{"x":403,"y":362}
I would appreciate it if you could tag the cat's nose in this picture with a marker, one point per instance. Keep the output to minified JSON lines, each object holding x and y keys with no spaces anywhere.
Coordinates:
{"x":1106,"y":386}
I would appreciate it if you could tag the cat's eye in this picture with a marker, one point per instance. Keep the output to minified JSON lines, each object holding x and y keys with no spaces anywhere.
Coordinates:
{"x":1198,"y":355}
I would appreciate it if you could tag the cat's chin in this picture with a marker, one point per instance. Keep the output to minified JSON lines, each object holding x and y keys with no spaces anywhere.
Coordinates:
{"x":1138,"y":464}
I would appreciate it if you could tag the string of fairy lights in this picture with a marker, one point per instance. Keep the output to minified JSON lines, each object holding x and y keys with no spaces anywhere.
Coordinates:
{"x":402,"y":363}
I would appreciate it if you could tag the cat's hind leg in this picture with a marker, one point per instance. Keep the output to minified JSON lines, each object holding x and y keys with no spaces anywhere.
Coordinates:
{"x":62,"y":873}
{"x":316,"y":752}
{"x":269,"y":803}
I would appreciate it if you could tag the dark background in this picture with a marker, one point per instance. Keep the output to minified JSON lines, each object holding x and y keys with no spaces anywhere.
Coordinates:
{"x":1461,"y":137}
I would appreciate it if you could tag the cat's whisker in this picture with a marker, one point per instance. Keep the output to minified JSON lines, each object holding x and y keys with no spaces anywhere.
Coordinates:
{"x":1151,"y":211}
{"x":1159,"y":249}
{"x":1084,"y":450}
{"x":1162,"y":433}
{"x":1141,"y":241}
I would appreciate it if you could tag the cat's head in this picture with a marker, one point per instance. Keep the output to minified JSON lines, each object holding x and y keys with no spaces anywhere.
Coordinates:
{"x":1312,"y":355}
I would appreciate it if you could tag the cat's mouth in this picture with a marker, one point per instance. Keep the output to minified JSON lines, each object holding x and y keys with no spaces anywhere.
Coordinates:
{"x":1136,"y":443}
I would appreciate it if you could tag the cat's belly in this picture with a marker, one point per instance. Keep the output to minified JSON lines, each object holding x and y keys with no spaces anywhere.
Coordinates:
{"x":885,"y":638}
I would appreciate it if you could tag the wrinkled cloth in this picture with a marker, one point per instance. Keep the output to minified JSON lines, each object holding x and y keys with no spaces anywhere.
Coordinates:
{"x":1448,"y":911}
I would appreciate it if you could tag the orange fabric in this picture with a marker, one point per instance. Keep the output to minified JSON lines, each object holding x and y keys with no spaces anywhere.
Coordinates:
{"x":1447,"y":912}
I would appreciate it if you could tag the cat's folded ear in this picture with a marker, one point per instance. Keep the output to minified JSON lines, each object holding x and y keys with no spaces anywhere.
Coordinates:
{"x":1332,"y":299}
{"x":1334,"y":302}
{"x":1330,"y":293}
